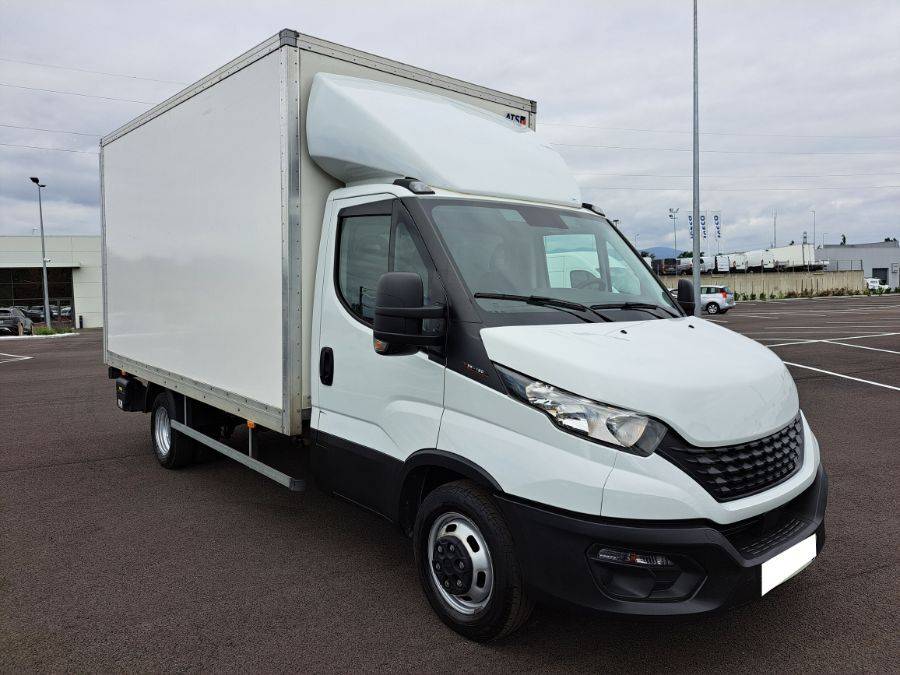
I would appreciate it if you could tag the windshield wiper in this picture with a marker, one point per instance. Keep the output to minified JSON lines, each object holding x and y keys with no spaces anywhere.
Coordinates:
{"x":635,"y":305}
{"x":545,"y":301}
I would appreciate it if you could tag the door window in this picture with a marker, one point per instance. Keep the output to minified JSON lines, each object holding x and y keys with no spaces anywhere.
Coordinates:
{"x":363,"y":254}
{"x":366,"y":250}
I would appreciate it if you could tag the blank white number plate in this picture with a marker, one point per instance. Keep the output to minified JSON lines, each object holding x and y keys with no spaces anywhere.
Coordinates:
{"x":788,"y":563}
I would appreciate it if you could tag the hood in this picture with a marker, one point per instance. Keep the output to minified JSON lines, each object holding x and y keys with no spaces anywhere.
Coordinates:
{"x":711,"y":385}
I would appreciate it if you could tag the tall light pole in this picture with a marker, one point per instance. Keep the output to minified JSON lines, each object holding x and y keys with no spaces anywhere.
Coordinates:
{"x":814,"y":228}
{"x":696,"y":265}
{"x":40,"y":185}
{"x":673,"y":214}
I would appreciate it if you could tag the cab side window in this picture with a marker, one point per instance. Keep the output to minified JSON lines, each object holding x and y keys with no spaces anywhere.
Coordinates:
{"x":363,"y":255}
{"x":367,"y":248}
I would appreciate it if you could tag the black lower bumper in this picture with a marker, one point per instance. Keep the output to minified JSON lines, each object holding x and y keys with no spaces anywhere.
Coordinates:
{"x":704,"y":566}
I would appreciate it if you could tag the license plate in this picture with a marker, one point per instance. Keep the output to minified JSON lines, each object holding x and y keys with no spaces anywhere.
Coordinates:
{"x":786,"y":564}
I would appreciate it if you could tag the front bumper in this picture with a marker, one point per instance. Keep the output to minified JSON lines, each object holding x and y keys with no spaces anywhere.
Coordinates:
{"x":715,"y":566}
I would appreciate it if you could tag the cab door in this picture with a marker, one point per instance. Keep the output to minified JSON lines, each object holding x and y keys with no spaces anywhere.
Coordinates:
{"x":372,"y":411}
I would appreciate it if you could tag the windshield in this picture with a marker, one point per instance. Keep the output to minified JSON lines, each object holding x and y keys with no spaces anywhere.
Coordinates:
{"x":544,"y":253}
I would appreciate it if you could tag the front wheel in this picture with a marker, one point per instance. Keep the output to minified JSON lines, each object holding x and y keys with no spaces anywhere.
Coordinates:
{"x":712,"y":308}
{"x":467,"y":564}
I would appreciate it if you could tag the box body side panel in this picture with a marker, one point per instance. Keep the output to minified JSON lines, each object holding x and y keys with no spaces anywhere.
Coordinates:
{"x":192,"y":204}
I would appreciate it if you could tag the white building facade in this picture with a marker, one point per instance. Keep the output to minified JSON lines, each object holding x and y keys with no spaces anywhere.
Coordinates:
{"x":74,"y":271}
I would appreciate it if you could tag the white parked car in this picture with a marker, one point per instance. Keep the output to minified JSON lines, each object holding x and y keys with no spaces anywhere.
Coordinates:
{"x":874,"y":284}
{"x":716,"y":299}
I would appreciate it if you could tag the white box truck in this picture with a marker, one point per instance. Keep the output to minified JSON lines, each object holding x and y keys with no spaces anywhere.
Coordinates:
{"x":364,"y":255}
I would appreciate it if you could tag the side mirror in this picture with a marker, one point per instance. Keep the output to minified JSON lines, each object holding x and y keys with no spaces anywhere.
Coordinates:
{"x":399,"y":314}
{"x":686,"y":296}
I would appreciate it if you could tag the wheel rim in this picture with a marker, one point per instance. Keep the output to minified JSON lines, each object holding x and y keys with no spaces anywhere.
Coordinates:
{"x":713,"y":309}
{"x":162,"y":432}
{"x":456,"y":530}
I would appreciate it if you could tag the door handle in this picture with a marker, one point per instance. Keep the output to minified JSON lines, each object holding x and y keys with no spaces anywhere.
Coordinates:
{"x":326,"y":366}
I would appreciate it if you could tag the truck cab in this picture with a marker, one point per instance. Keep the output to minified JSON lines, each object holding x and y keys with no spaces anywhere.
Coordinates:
{"x":555,"y":393}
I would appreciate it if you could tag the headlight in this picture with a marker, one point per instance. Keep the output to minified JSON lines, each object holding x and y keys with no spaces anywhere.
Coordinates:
{"x":630,"y":431}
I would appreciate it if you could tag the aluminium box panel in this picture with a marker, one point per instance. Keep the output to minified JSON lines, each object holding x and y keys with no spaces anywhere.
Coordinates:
{"x":194,"y":226}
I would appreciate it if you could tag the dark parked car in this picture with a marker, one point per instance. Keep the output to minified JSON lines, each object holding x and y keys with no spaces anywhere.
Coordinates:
{"x":36,"y":312}
{"x":14,"y":322}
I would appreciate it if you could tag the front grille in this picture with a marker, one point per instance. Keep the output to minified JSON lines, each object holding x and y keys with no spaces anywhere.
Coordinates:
{"x":736,"y":471}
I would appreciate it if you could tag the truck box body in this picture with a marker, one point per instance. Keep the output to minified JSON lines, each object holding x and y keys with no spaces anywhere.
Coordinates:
{"x":212,"y":210}
{"x":794,"y":256}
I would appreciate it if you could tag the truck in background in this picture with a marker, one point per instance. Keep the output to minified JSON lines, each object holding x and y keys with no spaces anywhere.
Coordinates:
{"x":462,"y":346}
{"x":723,"y":263}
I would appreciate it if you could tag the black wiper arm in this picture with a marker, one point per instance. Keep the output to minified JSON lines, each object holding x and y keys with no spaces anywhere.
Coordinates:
{"x":544,"y":301}
{"x":634,"y":305}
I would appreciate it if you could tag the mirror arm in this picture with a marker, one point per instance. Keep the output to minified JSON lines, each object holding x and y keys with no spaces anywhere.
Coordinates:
{"x":416,"y":340}
{"x":426,"y":312}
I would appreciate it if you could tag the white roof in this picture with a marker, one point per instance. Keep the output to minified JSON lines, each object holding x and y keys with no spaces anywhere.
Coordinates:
{"x":365,"y":131}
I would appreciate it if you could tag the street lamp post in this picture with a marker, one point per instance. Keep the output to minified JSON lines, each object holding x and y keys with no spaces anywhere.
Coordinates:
{"x":40,"y":185}
{"x":673,"y":214}
{"x":814,"y":227}
{"x":696,"y":174}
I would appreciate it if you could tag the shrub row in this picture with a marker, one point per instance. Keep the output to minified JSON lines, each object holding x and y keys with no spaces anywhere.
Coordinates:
{"x":809,"y":293}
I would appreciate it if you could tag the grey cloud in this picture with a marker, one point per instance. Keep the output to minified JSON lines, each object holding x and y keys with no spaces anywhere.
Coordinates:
{"x":826,"y":68}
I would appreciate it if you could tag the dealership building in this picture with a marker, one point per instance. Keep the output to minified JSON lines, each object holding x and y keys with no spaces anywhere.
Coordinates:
{"x":74,"y":275}
{"x":879,"y":260}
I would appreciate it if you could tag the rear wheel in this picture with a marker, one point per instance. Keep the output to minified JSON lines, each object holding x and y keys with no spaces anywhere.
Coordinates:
{"x":712,"y":308}
{"x":467,"y":564}
{"x":173,"y":450}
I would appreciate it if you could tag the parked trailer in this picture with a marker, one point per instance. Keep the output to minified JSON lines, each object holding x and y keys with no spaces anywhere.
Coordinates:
{"x":391,"y":232}
{"x":760,"y":260}
{"x":795,"y":256}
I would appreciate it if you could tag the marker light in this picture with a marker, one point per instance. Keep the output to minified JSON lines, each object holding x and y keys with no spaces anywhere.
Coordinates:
{"x":414,"y":185}
{"x":627,"y":430}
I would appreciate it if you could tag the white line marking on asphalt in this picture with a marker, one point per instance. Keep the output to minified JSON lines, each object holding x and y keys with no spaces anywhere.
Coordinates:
{"x":13,"y":357}
{"x":806,"y":342}
{"x":874,"y":349}
{"x":846,"y":377}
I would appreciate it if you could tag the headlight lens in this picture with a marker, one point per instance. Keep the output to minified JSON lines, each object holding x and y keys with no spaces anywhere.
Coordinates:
{"x":630,"y":431}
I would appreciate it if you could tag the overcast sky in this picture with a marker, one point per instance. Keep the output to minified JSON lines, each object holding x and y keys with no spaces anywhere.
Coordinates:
{"x":799,"y":101}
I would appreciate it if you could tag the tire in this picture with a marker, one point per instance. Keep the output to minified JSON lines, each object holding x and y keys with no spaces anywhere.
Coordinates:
{"x":712,"y":308}
{"x":452,"y":515}
{"x":172,"y":449}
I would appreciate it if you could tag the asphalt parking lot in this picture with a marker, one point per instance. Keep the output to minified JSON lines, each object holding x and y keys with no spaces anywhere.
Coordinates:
{"x":108,"y":562}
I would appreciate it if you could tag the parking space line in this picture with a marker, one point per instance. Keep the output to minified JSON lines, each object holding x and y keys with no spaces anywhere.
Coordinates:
{"x":13,"y":357}
{"x":806,"y":342}
{"x":874,"y":349}
{"x":846,"y":377}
